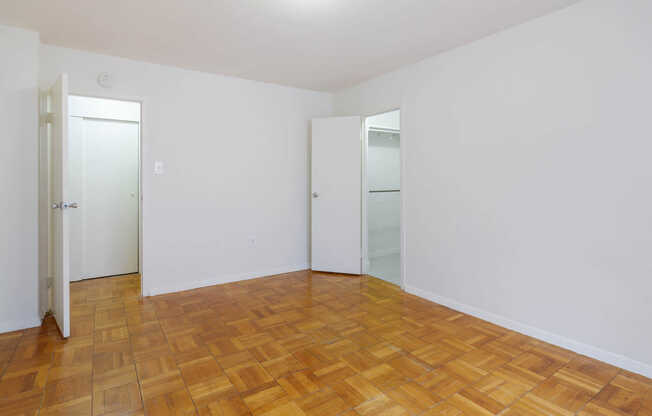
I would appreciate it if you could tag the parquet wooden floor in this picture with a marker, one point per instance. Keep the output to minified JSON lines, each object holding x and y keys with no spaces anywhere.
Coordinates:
{"x":296,"y":344}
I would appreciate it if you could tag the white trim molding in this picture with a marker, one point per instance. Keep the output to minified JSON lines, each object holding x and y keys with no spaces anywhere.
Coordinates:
{"x":543,"y":335}
{"x":9,"y":326}
{"x":161,"y":290}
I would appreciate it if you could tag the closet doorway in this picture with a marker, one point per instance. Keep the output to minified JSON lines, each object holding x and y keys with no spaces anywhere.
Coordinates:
{"x":104,"y":161}
{"x":382,"y":197}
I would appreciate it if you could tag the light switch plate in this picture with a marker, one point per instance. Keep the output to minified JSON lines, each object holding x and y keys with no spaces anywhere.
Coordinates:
{"x":159,"y":167}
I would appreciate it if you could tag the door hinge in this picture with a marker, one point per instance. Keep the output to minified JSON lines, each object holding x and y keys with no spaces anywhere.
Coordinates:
{"x":47,"y":118}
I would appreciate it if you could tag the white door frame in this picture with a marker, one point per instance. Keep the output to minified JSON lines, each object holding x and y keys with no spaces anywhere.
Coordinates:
{"x":142,"y":102}
{"x":140,"y":167}
{"x":364,"y":195}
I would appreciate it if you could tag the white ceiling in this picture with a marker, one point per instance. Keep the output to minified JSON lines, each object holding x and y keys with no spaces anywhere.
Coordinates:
{"x":317,"y":44}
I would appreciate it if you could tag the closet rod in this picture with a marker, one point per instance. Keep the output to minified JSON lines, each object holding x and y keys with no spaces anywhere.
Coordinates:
{"x":384,"y":191}
{"x":384,"y":130}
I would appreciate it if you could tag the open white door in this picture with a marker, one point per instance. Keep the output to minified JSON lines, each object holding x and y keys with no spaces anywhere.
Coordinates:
{"x":58,"y":119}
{"x":336,"y":194}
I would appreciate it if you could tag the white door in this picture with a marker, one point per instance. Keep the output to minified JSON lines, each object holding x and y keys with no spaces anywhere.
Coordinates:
{"x":61,"y":204}
{"x":336,"y":194}
{"x":109,"y":197}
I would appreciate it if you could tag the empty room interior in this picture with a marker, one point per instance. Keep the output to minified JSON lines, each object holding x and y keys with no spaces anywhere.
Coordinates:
{"x":326,"y":207}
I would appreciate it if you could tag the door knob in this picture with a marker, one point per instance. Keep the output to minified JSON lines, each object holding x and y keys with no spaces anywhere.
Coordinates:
{"x":315,"y":195}
{"x":65,"y":205}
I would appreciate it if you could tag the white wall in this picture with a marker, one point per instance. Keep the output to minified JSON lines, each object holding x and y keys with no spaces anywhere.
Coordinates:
{"x":236,"y":167}
{"x":18,"y":179}
{"x":92,"y":107}
{"x":388,"y":120}
{"x":384,"y":161}
{"x":529,"y":176}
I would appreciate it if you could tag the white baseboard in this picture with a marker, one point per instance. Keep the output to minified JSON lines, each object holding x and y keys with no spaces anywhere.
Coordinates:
{"x":8,"y":326}
{"x":561,"y":341}
{"x":179,"y":287}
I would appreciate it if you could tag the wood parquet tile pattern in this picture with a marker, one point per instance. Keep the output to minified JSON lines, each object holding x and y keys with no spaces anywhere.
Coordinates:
{"x":302,"y":343}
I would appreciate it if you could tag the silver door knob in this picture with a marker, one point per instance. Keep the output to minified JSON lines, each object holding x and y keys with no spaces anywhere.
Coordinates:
{"x":315,"y":195}
{"x":70,"y":205}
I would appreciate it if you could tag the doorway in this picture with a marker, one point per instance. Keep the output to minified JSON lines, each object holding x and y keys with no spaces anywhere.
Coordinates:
{"x":90,"y":200}
{"x":382,"y":197}
{"x":357,"y":203}
{"x":104,"y":163}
